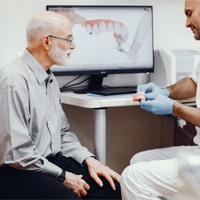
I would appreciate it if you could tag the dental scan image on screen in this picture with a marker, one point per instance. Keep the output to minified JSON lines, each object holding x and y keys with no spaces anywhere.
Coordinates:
{"x":109,"y":37}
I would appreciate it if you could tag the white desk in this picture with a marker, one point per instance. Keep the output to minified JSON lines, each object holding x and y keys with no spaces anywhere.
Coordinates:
{"x":99,"y":104}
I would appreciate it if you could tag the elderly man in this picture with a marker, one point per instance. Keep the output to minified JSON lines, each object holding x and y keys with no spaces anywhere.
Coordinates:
{"x":153,"y":174}
{"x":39,"y":157}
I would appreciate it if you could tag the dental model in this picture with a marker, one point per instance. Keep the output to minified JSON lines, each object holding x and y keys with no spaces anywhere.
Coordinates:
{"x":119,"y":29}
{"x":97,"y":26}
{"x":139,"y":96}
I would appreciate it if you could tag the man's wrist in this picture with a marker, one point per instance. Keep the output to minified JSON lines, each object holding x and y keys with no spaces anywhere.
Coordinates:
{"x":176,"y":109}
{"x":173,"y":102}
{"x":85,"y":162}
{"x":61,"y":178}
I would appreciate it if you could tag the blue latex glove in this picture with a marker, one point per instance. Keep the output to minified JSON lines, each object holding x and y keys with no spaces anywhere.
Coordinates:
{"x":158,"y":104}
{"x":152,"y":88}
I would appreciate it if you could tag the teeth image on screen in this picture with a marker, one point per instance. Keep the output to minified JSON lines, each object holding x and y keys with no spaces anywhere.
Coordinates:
{"x":110,"y":37}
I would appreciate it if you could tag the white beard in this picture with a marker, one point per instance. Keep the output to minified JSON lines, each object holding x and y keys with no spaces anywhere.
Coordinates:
{"x":59,"y":56}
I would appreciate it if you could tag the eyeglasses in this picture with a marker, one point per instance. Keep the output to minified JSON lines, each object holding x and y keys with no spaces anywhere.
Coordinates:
{"x":70,"y":41}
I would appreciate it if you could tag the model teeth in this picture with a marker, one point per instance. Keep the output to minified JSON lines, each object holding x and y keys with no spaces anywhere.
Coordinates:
{"x":89,"y":29}
{"x":96,"y":29}
{"x":117,"y":28}
{"x":110,"y":27}
{"x":104,"y":25}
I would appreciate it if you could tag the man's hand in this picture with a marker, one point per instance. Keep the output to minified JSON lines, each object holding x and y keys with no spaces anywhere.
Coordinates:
{"x":97,"y":169}
{"x":76,"y":183}
{"x":152,"y":88}
{"x":158,"y":104}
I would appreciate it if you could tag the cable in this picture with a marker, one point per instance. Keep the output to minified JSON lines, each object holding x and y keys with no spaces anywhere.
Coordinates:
{"x":71,"y":81}
{"x":70,"y":87}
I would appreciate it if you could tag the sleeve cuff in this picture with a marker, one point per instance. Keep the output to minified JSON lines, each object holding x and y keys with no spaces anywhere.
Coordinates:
{"x":82,"y":155}
{"x":52,"y":169}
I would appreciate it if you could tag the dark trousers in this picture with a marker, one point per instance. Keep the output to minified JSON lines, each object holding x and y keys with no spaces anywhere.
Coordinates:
{"x":19,"y":184}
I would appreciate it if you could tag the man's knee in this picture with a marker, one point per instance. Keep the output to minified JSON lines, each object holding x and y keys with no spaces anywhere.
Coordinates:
{"x":138,"y":157}
{"x":131,"y":181}
{"x":131,"y":175}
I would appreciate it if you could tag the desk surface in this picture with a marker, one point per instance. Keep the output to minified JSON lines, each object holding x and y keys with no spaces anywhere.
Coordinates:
{"x":97,"y":101}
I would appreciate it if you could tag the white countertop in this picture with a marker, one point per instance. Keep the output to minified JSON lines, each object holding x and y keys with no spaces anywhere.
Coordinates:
{"x":97,"y":101}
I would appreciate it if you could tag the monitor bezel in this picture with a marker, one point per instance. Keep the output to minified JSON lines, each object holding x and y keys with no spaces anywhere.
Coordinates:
{"x":62,"y":72}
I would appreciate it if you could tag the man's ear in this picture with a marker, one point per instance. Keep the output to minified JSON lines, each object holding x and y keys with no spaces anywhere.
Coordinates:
{"x":46,"y":42}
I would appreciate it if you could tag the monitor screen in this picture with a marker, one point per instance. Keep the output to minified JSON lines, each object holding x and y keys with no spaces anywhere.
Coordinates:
{"x":108,"y":39}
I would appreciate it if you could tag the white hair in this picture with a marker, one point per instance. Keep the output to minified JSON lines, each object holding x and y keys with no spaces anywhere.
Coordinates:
{"x":39,"y":27}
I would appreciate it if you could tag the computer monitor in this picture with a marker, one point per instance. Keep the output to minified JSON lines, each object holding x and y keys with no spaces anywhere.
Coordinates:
{"x":109,"y":40}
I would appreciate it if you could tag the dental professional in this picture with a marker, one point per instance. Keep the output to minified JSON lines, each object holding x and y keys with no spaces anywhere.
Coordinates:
{"x":40,"y":158}
{"x":153,"y":174}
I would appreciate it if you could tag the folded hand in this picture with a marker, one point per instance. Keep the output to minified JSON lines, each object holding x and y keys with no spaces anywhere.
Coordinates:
{"x":76,"y":183}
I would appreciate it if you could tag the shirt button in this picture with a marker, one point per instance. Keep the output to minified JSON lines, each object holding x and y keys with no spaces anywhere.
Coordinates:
{"x":48,"y":104}
{"x":49,"y":122}
{"x":53,"y":140}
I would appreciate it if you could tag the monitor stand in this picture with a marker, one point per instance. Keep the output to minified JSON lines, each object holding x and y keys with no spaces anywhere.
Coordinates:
{"x":95,"y":83}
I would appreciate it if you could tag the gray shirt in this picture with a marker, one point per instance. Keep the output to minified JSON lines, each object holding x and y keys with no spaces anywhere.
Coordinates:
{"x":33,"y":124}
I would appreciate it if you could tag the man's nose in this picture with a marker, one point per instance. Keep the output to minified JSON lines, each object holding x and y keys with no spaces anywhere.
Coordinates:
{"x":187,"y":24}
{"x":72,"y":45}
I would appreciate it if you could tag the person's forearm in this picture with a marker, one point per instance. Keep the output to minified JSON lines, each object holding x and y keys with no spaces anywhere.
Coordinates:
{"x":183,"y":89}
{"x":187,"y":113}
{"x":36,"y":163}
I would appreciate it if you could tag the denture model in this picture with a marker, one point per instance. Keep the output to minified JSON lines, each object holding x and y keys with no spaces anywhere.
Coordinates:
{"x":138,"y":96}
{"x":97,"y":26}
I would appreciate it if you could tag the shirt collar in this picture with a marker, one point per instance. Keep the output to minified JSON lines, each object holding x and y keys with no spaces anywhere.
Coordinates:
{"x":39,"y":72}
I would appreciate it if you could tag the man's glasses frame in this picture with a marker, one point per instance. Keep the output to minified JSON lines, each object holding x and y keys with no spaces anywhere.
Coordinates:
{"x":70,"y":41}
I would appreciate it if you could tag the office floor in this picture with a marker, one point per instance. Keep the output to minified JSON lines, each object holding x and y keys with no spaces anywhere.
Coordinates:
{"x":129,"y":130}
